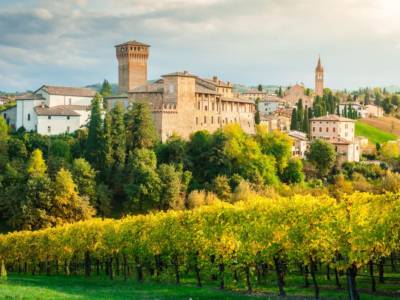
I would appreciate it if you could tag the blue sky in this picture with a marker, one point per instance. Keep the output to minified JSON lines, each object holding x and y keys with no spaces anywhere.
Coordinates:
{"x":70,"y":42}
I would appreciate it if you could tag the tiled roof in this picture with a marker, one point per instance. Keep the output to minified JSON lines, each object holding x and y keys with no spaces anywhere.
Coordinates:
{"x":133,"y":43}
{"x":30,"y":96}
{"x":217,"y":82}
{"x":253,"y":91}
{"x":332,"y":118}
{"x":204,"y":90}
{"x":68,"y":91}
{"x":60,"y":110}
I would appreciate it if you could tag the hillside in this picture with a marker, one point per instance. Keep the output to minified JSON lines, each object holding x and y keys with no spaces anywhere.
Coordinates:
{"x":378,"y":130}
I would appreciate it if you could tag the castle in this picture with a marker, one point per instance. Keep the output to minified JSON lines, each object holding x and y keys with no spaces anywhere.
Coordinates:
{"x":180,"y":102}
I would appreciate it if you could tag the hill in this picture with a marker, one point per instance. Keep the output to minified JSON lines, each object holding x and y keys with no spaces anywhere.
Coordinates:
{"x":378,"y":130}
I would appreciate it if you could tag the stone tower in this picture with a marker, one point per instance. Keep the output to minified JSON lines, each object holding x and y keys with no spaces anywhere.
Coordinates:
{"x":132,"y":65}
{"x":319,"y":79}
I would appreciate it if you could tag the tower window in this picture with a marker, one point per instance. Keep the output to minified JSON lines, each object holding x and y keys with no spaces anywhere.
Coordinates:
{"x":29,"y":117}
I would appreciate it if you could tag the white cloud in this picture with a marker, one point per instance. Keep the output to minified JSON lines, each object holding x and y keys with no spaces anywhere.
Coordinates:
{"x":43,"y":14}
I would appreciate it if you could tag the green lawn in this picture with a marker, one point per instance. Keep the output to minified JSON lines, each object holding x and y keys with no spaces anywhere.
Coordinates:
{"x":101,"y":288}
{"x":373,"y":134}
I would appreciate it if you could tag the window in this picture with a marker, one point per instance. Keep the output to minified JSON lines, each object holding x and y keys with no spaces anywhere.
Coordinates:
{"x":48,"y":129}
{"x":334,"y":129}
{"x":320,"y":129}
{"x":29,"y":117}
{"x":68,"y":117}
{"x":171,"y":88}
{"x":212,"y":120}
{"x":205,"y":108}
{"x":219,"y":120}
{"x":49,"y":117}
{"x":197,"y":121}
{"x":70,"y":101}
{"x":205,"y":120}
{"x":313,"y":129}
{"x":198,"y":105}
{"x":327,"y":129}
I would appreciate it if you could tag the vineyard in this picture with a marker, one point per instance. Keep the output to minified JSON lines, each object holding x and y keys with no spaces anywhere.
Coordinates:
{"x":252,"y":239}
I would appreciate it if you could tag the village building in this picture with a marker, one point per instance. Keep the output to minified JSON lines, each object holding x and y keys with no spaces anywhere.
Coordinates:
{"x":270,"y":104}
{"x":363,"y":111}
{"x":255,"y":94}
{"x":293,"y":94}
{"x":338,"y":131}
{"x":278,"y":120}
{"x":53,"y":110}
{"x":300,"y":143}
{"x":181,"y":103}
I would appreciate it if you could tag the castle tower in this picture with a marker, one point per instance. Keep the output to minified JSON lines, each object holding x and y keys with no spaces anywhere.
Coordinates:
{"x":319,"y":79}
{"x":132,"y":65}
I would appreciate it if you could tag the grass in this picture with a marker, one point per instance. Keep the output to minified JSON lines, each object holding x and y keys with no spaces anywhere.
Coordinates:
{"x":100,"y":288}
{"x":374,"y":134}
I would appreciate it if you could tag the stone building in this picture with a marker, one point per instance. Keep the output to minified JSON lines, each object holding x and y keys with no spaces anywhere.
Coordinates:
{"x":338,"y":131}
{"x":300,"y":143}
{"x":255,"y":94}
{"x":270,"y":104}
{"x":319,"y":79}
{"x":296,"y":92}
{"x":278,"y":120}
{"x":181,"y":102}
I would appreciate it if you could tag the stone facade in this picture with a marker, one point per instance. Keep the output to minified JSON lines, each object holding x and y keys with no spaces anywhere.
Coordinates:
{"x":339,"y":132}
{"x":319,"y":79}
{"x":132,"y":65}
{"x":183,"y":103}
{"x":293,"y":94}
{"x":300,"y":143}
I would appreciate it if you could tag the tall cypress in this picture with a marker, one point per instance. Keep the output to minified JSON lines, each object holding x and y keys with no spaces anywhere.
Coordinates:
{"x":293,"y":121}
{"x":106,"y":149}
{"x":95,"y":132}
{"x":305,"y":124}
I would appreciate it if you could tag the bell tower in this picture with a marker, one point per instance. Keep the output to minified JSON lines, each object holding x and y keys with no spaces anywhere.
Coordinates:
{"x":132,"y":65}
{"x":319,"y":79}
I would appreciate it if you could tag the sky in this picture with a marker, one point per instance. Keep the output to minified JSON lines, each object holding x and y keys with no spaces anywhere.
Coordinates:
{"x":71,"y":42}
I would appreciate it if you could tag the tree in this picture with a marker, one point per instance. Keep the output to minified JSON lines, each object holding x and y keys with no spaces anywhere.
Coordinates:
{"x":103,"y":200}
{"x":68,"y":206}
{"x":141,"y":132}
{"x":293,"y":173}
{"x":106,"y":89}
{"x":118,"y":143}
{"x":173,"y":151}
{"x":85,"y":178}
{"x":222,"y":188}
{"x":260,"y":87}
{"x":143,"y":184}
{"x":306,"y":121}
{"x":322,"y":155}
{"x":293,"y":121}
{"x":257,"y":119}
{"x":36,"y":164}
{"x":280,"y":94}
{"x":17,"y":149}
{"x":3,"y":142}
{"x":300,"y":114}
{"x":95,"y":132}
{"x":170,"y":188}
{"x":106,"y":149}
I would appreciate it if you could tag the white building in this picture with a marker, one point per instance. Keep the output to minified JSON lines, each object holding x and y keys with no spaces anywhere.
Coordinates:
{"x":54,"y":110}
{"x":300,"y":143}
{"x":363,"y":111}
{"x":338,"y":131}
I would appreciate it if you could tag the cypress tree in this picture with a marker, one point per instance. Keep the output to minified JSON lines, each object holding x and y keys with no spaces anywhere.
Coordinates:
{"x":106,"y":151}
{"x":300,"y":114}
{"x":305,"y":124}
{"x":293,"y":121}
{"x":106,"y":89}
{"x":95,"y":133}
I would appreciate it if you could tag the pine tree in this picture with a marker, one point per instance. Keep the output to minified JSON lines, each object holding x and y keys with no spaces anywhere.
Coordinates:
{"x":106,"y":89}
{"x":141,"y":132}
{"x":95,"y":133}
{"x":36,"y":164}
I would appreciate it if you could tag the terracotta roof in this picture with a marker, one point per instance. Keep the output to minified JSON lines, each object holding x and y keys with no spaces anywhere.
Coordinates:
{"x":133,"y":43}
{"x":60,"y":110}
{"x":332,"y":118}
{"x":30,"y":96}
{"x":204,"y":90}
{"x":68,"y":91}
{"x":253,"y":91}
{"x":217,"y":82}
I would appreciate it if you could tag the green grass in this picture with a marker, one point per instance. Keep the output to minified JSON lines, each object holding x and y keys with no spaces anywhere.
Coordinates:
{"x":373,"y":134}
{"x":101,"y":288}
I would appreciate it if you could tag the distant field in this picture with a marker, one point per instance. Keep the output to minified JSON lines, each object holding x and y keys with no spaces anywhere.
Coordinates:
{"x":378,"y":130}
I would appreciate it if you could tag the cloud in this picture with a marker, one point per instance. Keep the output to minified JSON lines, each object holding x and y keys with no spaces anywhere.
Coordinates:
{"x":270,"y":41}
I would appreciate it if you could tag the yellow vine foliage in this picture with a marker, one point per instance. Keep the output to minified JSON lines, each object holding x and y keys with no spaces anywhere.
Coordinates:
{"x":361,"y":227}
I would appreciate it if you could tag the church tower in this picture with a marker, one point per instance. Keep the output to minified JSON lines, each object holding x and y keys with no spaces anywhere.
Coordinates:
{"x":319,"y":79}
{"x":132,"y":65}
